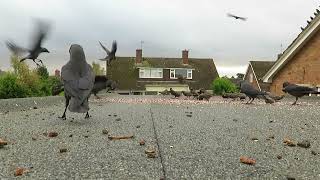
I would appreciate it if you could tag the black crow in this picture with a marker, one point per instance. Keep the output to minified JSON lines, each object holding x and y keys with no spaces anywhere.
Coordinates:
{"x":205,"y":96}
{"x":176,"y":94}
{"x":36,"y":48}
{"x":298,"y":91}
{"x":102,"y":82}
{"x":247,"y":89}
{"x":111,"y":55}
{"x":237,"y":17}
{"x":274,"y":97}
{"x":165,"y":92}
{"x":187,"y":94}
{"x":78,"y":81}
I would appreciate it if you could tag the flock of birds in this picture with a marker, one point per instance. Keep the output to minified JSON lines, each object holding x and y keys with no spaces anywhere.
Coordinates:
{"x":79,"y":81}
{"x":247,"y":90}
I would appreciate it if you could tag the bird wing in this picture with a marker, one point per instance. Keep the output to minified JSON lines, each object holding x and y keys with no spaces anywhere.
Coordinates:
{"x":114,"y":47}
{"x":17,"y":50}
{"x":40,"y":35}
{"x":242,"y":18}
{"x":104,"y":48}
{"x":231,"y":15}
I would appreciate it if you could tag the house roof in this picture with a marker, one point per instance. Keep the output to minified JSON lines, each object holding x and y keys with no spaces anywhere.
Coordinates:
{"x":312,"y":27}
{"x":126,"y":71}
{"x":260,"y":68}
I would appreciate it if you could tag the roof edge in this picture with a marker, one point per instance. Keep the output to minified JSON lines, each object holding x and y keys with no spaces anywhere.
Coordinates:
{"x":292,"y":49}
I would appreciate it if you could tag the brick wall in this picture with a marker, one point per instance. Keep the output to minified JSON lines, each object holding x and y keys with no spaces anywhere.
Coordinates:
{"x":303,"y":68}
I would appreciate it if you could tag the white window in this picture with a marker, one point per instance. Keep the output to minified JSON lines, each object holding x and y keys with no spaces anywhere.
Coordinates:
{"x":150,"y":73}
{"x":175,"y":73}
{"x":189,"y":74}
{"x":251,"y":77}
{"x":172,"y":74}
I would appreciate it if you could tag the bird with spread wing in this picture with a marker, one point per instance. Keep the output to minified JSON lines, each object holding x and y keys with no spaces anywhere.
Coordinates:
{"x":36,"y":49}
{"x":237,"y":17}
{"x":111,"y":55}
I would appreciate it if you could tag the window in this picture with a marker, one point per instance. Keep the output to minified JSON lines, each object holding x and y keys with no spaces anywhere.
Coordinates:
{"x":172,"y":74}
{"x":150,"y":73}
{"x":186,"y":73}
{"x":189,"y":74}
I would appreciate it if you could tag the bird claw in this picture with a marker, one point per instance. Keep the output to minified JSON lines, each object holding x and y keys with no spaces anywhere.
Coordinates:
{"x":87,"y":116}
{"x":63,"y":117}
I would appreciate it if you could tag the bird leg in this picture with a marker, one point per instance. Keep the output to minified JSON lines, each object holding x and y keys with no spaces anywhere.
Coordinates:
{"x":87,"y":115}
{"x":251,"y":101}
{"x":40,"y":61}
{"x":295,"y":102}
{"x":63,"y":117}
{"x":36,"y":62}
{"x":248,"y":100}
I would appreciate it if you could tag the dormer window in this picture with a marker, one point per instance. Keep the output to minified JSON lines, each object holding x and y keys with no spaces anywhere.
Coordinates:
{"x":150,"y":73}
{"x":186,"y":73}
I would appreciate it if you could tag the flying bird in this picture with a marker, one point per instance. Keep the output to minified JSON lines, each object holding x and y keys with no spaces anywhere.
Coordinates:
{"x":111,"y":55}
{"x":78,"y":81}
{"x":297,"y":91}
{"x":237,"y":17}
{"x":247,"y":89}
{"x":36,"y":49}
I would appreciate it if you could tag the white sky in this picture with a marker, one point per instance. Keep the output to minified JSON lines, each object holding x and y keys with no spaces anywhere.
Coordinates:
{"x":166,"y":26}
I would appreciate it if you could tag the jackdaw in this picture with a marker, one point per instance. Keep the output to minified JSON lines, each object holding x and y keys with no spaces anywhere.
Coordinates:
{"x":194,"y":93}
{"x":102,"y":82}
{"x":247,"y":89}
{"x":36,"y":48}
{"x":298,"y":91}
{"x":176,"y":94}
{"x":111,"y":55}
{"x":237,"y":17}
{"x":205,"y":96}
{"x":78,"y":80}
{"x":187,"y":94}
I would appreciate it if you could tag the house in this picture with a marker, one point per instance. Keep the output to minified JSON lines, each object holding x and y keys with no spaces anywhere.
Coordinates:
{"x":255,"y":71}
{"x":300,"y":62}
{"x":154,"y":74}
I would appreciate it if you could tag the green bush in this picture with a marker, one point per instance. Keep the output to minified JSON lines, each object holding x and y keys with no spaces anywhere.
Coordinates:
{"x":11,"y":88}
{"x":223,"y":85}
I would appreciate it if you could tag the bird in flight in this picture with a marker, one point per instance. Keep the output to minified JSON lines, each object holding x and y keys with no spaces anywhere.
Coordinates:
{"x":111,"y":55}
{"x":237,"y":17}
{"x":36,"y":49}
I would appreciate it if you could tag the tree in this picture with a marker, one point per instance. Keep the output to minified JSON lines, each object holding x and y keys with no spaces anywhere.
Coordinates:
{"x":240,"y":75}
{"x":223,"y":85}
{"x":97,"y":69}
{"x":42,"y":71}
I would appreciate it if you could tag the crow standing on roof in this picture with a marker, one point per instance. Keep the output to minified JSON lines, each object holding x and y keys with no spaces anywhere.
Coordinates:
{"x":111,"y":55}
{"x":36,"y":48}
{"x":176,"y":94}
{"x":237,"y":17}
{"x":247,"y":89}
{"x":78,"y":80}
{"x":298,"y":91}
{"x":102,"y":82}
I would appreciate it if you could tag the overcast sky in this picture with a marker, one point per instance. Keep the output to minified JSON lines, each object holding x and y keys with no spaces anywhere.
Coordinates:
{"x":166,"y":27}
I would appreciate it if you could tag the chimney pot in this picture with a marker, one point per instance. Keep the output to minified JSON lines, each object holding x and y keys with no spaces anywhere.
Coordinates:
{"x":138,"y":56}
{"x":185,"y":58}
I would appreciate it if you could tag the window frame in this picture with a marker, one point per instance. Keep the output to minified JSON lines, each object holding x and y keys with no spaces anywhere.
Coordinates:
{"x":144,"y":70}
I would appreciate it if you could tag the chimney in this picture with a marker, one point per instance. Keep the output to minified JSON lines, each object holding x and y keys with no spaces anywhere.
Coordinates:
{"x":185,"y":59}
{"x":138,"y":56}
{"x":57,"y":73}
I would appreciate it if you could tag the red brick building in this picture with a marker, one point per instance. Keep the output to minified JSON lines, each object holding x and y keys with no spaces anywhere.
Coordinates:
{"x":300,"y":62}
{"x":255,"y":71}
